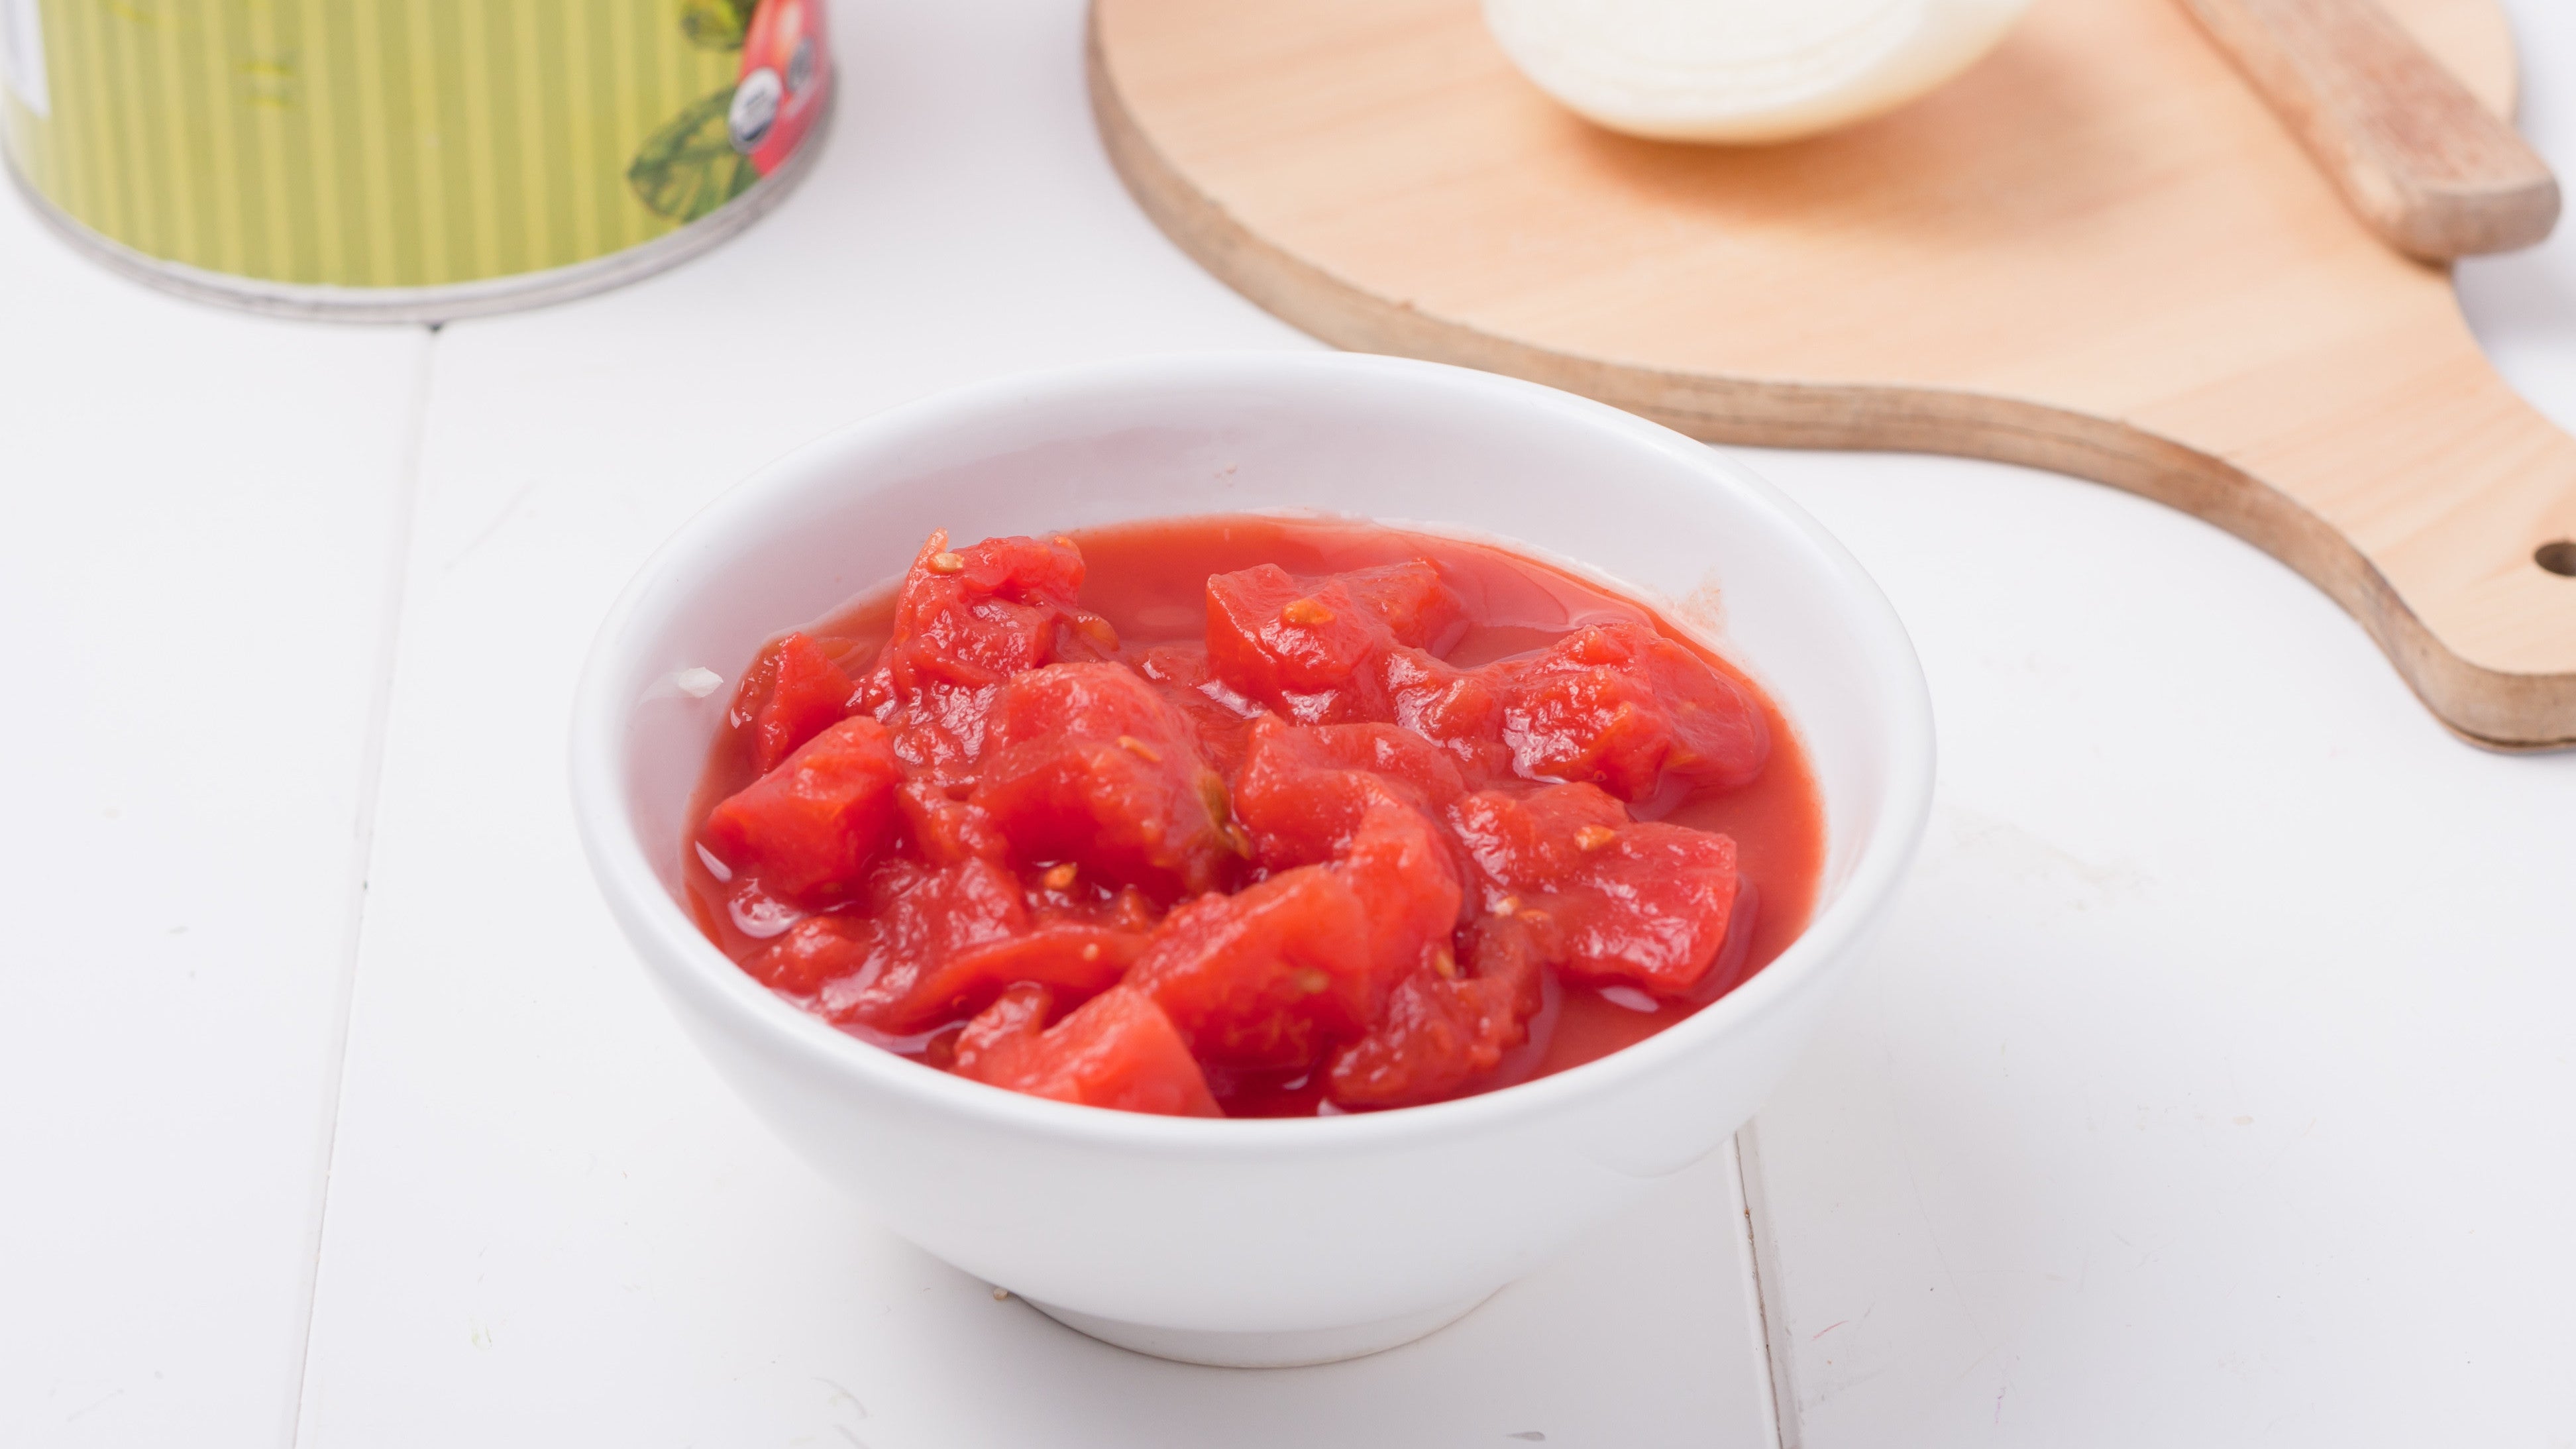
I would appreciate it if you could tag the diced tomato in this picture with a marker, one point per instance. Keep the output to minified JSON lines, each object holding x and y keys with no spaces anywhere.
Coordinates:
{"x":1303,"y":806}
{"x":1442,"y":1030}
{"x":1457,"y":709}
{"x":996,"y":1045}
{"x":1617,"y":705}
{"x":1087,"y":903}
{"x":792,"y":693}
{"x":1303,"y":789}
{"x":946,"y":594}
{"x":949,"y":830}
{"x":1650,"y":909}
{"x":1297,"y":811}
{"x":941,"y":731}
{"x":1082,"y":638}
{"x":1645,"y":904}
{"x":1397,"y":754}
{"x":1420,"y":609}
{"x":1314,"y":649}
{"x":1090,"y":764}
{"x":1525,"y":840}
{"x":1085,"y":702}
{"x":807,"y":829}
{"x":1400,"y":867}
{"x":1278,"y":751}
{"x":815,"y":950}
{"x":1267,"y":977}
{"x":1222,"y":718}
{"x":1117,"y":1050}
{"x":966,"y":620}
{"x":1075,"y":961}
{"x":920,"y":920}
{"x":1299,"y":646}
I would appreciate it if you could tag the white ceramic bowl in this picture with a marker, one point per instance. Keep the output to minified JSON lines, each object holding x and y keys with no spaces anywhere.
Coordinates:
{"x":1273,"y":1241}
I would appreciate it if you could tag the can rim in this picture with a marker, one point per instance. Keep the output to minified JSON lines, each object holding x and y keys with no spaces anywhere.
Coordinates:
{"x":449,"y":301}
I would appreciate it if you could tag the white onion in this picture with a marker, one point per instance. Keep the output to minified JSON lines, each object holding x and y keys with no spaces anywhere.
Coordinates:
{"x":1743,"y":70}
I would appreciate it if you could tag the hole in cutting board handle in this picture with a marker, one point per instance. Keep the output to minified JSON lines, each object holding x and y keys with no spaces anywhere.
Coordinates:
{"x":2559,"y":557}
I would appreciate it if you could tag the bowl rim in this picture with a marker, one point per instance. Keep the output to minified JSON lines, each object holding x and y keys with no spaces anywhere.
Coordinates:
{"x":660,"y":930}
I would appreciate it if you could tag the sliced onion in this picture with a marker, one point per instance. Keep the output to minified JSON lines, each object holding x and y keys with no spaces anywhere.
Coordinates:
{"x":1743,"y":70}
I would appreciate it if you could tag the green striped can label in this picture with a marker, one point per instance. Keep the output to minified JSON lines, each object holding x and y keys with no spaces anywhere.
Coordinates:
{"x":406,"y":158}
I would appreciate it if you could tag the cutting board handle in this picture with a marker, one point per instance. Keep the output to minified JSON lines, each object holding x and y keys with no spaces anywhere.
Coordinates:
{"x":2432,"y":171}
{"x":2424,"y":496}
{"x":2411,"y":484}
{"x":2429,"y":501}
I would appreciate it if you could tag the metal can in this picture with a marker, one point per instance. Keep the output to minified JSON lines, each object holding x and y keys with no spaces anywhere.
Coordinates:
{"x":406,"y":160}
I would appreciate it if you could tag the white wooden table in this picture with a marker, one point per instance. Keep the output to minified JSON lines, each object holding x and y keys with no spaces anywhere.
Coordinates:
{"x":2213,"y":1088}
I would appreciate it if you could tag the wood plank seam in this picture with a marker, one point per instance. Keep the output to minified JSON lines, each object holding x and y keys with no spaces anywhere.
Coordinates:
{"x":1770,"y":1290}
{"x":394,"y":606}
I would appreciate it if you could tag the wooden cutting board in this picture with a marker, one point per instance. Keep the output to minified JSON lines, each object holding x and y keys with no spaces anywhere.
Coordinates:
{"x":2097,"y":252}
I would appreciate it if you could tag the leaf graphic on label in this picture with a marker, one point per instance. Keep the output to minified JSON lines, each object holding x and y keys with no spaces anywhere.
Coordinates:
{"x":690,"y":167}
{"x":716,"y":24}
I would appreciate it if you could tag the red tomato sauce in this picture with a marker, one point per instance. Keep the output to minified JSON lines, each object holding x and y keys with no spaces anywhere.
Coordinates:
{"x":1250,"y":816}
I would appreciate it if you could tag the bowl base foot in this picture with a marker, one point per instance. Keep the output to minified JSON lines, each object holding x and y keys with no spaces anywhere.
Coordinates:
{"x":1291,"y":1349}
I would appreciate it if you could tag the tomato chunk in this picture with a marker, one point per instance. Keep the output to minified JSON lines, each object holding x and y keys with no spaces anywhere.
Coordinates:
{"x":1117,"y":1050}
{"x":1401,"y":869}
{"x":1278,"y":754}
{"x":1303,"y":789}
{"x":1091,"y":701}
{"x":1418,"y":606}
{"x":792,"y":693}
{"x":965,"y":621}
{"x":1221,"y":718}
{"x":1093,"y":766}
{"x":981,"y":613}
{"x":814,"y":950}
{"x":921,"y":920}
{"x":1268,"y":977}
{"x":1314,"y":649}
{"x":1524,"y":839}
{"x":807,"y":829}
{"x":1652,"y":909}
{"x":947,"y":830}
{"x":1617,"y":705}
{"x":940,"y":945}
{"x":995,"y":1046}
{"x":1460,"y":710}
{"x":1303,"y":806}
{"x":1089,"y":903}
{"x":1077,"y":962}
{"x":1442,"y":1030}
{"x":1647,"y":905}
